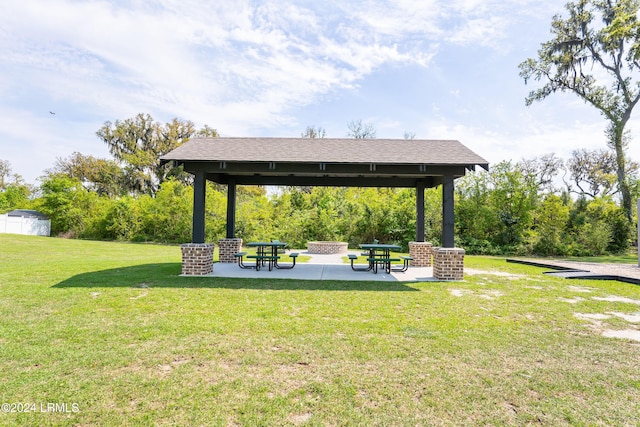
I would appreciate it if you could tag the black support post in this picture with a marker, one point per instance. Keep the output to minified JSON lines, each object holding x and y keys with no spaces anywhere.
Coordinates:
{"x":231,"y":209}
{"x":199,"y":196}
{"x":420,"y":211}
{"x":447,"y":212}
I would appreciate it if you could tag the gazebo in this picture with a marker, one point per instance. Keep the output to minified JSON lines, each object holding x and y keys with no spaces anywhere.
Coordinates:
{"x":418,"y":164}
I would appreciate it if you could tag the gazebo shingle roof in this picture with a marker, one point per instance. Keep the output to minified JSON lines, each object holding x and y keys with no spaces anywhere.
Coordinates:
{"x":327,"y":150}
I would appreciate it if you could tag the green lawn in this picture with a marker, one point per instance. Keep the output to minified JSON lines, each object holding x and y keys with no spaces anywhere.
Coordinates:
{"x":112,"y":334}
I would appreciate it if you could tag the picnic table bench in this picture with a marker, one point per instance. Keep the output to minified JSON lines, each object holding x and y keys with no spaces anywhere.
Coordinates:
{"x":266,"y":254}
{"x":352,"y":258}
{"x":378,"y":254}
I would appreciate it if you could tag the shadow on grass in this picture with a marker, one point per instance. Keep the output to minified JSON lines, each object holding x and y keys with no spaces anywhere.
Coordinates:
{"x":167,"y":275}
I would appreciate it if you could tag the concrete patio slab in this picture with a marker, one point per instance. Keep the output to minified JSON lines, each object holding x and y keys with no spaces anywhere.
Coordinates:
{"x":323,"y":267}
{"x":306,"y":271}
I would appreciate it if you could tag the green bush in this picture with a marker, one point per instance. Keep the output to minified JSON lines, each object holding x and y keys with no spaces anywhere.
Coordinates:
{"x":552,"y":218}
{"x":66,"y":202}
{"x":480,"y":247}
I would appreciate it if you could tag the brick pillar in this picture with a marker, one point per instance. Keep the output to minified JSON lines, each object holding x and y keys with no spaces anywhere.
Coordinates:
{"x":448,"y":263}
{"x":421,"y":253}
{"x":228,"y":247}
{"x":197,"y":259}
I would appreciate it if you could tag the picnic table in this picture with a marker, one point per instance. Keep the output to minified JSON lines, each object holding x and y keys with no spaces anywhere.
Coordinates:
{"x":266,"y":254}
{"x":380,"y":254}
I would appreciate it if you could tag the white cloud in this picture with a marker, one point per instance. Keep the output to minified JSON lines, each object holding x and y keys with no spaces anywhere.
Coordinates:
{"x":484,"y":31}
{"x":244,"y":67}
{"x":159,"y":57}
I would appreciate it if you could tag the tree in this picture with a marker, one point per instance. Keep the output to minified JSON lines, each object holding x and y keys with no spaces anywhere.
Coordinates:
{"x":359,"y":130}
{"x":495,"y":210}
{"x":513,"y":199}
{"x":313,"y":132}
{"x":137,"y":143}
{"x":207,"y":132}
{"x":600,"y":63}
{"x":14,"y":196}
{"x":542,"y":170}
{"x":64,"y":201}
{"x":5,"y":171}
{"x":476,"y":220}
{"x":552,"y":218}
{"x":593,"y":172}
{"x":103,"y":176}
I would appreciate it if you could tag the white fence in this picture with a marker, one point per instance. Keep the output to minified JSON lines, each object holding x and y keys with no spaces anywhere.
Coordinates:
{"x":22,"y":225}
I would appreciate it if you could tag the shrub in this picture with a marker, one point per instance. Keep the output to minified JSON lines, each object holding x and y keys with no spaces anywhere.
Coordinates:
{"x":552,"y":218}
{"x":595,"y":237}
{"x":122,"y":220}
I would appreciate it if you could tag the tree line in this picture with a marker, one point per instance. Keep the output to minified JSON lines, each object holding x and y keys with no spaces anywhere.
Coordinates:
{"x":544,"y":206}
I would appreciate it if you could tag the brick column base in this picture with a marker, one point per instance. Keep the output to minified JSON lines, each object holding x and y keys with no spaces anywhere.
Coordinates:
{"x":228,"y":247}
{"x":421,"y":253}
{"x":448,"y":263}
{"x":197,"y":259}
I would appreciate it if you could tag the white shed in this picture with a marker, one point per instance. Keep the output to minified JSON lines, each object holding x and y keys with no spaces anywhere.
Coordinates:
{"x":24,"y":221}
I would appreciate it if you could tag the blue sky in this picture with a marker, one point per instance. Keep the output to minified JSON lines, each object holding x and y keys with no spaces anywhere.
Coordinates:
{"x":439,"y":69}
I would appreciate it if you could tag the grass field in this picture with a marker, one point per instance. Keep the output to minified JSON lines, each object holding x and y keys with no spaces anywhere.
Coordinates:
{"x":108,"y":334}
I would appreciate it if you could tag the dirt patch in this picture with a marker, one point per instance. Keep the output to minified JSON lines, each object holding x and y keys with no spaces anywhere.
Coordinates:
{"x":596,"y":323}
{"x":629,"y":334}
{"x":473,"y":272}
{"x":580,"y":289}
{"x":457,"y":292}
{"x":592,"y":316}
{"x":167,"y":368}
{"x":299,"y":419}
{"x":613,"y":298}
{"x":571,"y":300}
{"x":631,"y":318}
{"x":595,"y":320}
{"x":491,"y":294}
